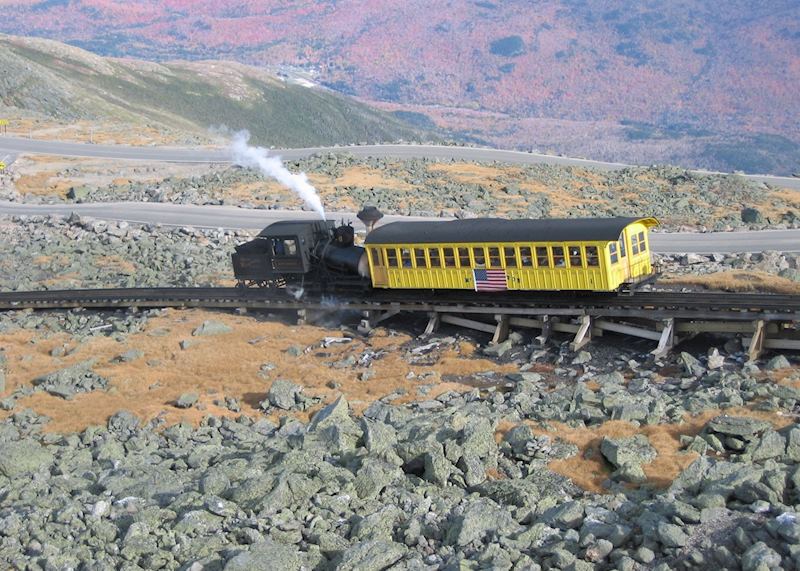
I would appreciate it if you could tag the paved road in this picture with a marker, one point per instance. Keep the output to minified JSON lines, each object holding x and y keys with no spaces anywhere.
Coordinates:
{"x":200,"y":155}
{"x":232,"y":217}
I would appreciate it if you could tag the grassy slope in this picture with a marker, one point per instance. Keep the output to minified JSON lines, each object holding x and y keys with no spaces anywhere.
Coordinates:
{"x":68,"y":83}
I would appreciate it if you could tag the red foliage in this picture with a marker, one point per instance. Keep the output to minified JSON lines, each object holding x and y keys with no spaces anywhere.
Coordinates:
{"x":726,"y":69}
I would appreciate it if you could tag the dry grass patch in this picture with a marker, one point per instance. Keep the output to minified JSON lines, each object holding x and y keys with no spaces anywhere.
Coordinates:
{"x":115,"y":263}
{"x":588,"y":469}
{"x":736,"y":281}
{"x":217,"y":366}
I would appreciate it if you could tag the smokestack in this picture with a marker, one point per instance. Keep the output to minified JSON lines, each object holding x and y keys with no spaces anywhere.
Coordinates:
{"x":369,"y":215}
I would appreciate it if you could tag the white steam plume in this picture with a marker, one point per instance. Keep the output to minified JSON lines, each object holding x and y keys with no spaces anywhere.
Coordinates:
{"x":258,"y":158}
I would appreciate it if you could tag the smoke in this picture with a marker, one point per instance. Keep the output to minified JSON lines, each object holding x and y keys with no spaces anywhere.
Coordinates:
{"x":258,"y":158}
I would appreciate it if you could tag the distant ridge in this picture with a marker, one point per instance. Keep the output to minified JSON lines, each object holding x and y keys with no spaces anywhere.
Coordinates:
{"x":68,"y":83}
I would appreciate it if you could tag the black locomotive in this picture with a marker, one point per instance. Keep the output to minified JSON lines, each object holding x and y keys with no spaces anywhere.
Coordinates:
{"x":300,"y":255}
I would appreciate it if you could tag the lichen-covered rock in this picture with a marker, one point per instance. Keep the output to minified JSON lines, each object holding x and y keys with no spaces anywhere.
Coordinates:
{"x":187,"y":400}
{"x":283,"y":394}
{"x":21,"y":457}
{"x":627,"y":455}
{"x":211,"y":327}
{"x":371,"y":555}
{"x":482,"y":519}
{"x":778,"y":362}
{"x":267,"y":556}
{"x":68,"y":382}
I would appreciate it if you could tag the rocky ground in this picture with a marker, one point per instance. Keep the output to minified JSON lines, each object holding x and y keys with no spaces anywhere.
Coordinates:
{"x":53,"y":252}
{"x":421,"y":187}
{"x":536,"y":459}
{"x":200,"y":440}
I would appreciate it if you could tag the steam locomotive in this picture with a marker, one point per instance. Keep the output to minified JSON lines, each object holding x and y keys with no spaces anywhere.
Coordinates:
{"x":300,"y":255}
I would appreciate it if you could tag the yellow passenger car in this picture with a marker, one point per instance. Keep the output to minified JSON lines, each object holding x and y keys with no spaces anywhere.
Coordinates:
{"x":492,"y":254}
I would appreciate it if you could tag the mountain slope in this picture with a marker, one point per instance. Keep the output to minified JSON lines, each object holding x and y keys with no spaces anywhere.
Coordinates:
{"x":70,"y":84}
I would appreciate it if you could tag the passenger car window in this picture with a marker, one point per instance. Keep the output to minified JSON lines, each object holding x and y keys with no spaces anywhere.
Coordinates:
{"x":541,"y":257}
{"x":622,"y":250}
{"x":449,"y":257}
{"x":419,"y":258}
{"x":575,"y":256}
{"x":558,"y":257}
{"x":526,"y":256}
{"x":377,"y":258}
{"x":405,"y":257}
{"x":494,"y":258}
{"x":511,"y":257}
{"x":592,"y":257}
{"x":463,"y":258}
{"x":642,"y":242}
{"x":433,"y":254}
{"x":480,"y":256}
{"x":612,"y":248}
{"x":391,"y":258}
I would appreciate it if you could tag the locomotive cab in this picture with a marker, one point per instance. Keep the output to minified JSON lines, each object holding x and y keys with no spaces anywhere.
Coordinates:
{"x":300,"y":252}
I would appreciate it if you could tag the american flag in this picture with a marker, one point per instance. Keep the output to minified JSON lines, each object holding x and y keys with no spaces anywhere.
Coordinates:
{"x":490,"y":280}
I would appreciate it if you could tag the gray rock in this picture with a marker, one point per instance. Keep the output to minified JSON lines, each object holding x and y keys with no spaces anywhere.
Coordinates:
{"x":771,"y":445}
{"x":267,"y":556}
{"x":793,"y":445}
{"x":333,"y":427}
{"x":211,"y":327}
{"x":671,"y":535}
{"x":128,"y":356}
{"x":568,"y":515}
{"x":612,"y":378}
{"x":371,"y":555}
{"x":691,"y":365}
{"x":761,"y":557}
{"x":499,"y":349}
{"x":67,"y":382}
{"x":582,"y":357}
{"x":778,"y":362}
{"x":715,"y":360}
{"x":751,"y":216}
{"x":481,"y":519}
{"x":187,"y":400}
{"x":628,"y":455}
{"x":283,"y":394}
{"x":22,"y":457}
{"x":737,"y":426}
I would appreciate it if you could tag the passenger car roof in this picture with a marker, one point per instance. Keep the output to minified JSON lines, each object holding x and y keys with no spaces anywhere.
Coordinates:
{"x":502,"y":230}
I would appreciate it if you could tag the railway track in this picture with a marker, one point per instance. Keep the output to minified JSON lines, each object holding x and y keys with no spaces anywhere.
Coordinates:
{"x":648,"y":304}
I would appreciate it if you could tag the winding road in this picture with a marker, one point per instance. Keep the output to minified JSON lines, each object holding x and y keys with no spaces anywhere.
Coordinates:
{"x":13,"y":146}
{"x":232,"y":217}
{"x":239,"y":218}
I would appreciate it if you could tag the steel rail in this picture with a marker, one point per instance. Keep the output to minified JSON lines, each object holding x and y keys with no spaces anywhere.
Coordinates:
{"x":650,"y":304}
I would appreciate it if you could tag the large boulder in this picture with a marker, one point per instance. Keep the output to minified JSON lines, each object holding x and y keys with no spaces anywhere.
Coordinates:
{"x":371,"y":555}
{"x":752,"y":216}
{"x":627,"y":455}
{"x":333,"y":428}
{"x":211,"y":327}
{"x":481,"y":519}
{"x":267,"y":556}
{"x":284,"y":394}
{"x":22,"y":457}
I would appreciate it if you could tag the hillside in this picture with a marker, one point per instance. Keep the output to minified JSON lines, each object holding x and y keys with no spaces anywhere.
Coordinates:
{"x":686,"y":81}
{"x":70,"y":84}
